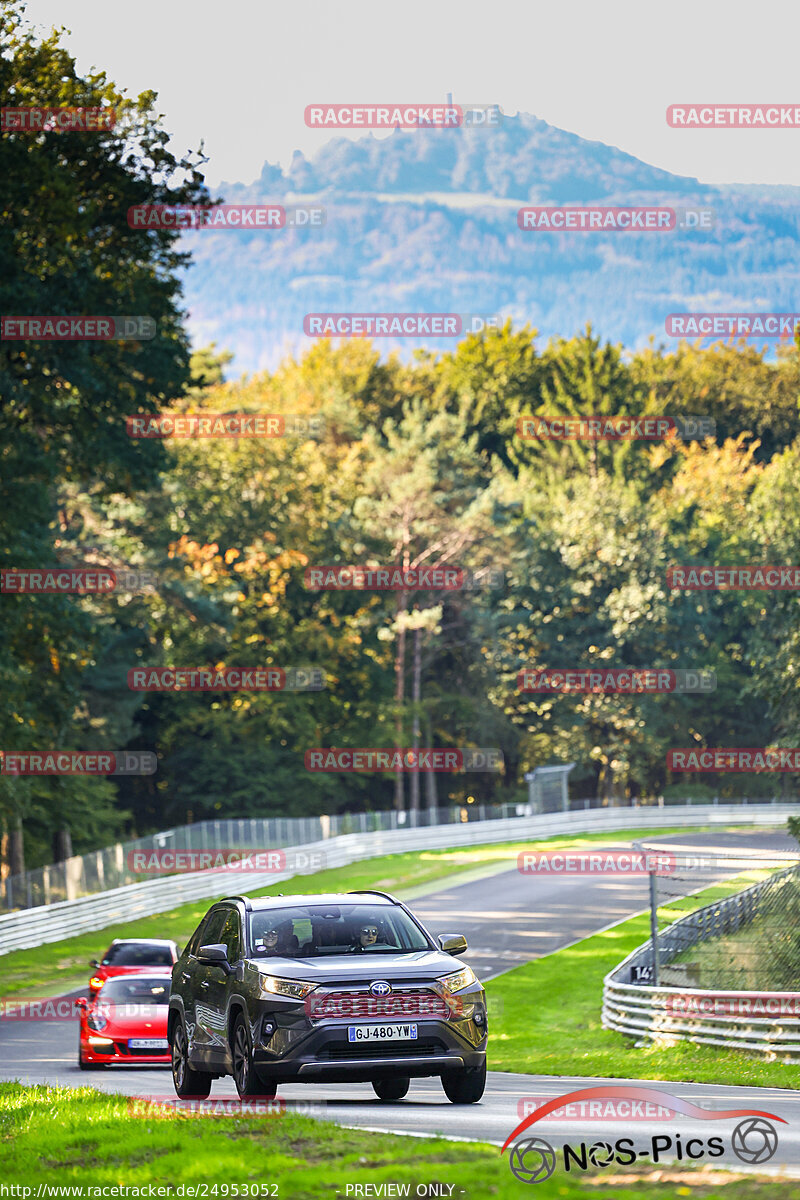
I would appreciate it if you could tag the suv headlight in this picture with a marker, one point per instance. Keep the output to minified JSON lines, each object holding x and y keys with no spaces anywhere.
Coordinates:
{"x":458,"y":980}
{"x":292,"y":988}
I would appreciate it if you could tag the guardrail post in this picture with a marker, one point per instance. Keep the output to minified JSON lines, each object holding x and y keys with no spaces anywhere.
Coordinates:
{"x":654,"y":926}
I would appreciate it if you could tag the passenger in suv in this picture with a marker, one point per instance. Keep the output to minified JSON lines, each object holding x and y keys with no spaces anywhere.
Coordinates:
{"x":343,"y":988}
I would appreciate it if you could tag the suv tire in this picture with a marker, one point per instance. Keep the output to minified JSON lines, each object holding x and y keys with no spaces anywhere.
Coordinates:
{"x":189,"y":1084}
{"x":248,"y":1081}
{"x":391,"y":1089}
{"x":465,"y":1086}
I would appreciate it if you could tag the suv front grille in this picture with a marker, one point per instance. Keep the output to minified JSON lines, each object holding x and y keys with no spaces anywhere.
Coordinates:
{"x":343,"y":1052}
{"x":419,"y":1003}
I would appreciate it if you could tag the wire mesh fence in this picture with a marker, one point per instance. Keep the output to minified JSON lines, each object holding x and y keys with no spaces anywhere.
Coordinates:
{"x":747,"y":938}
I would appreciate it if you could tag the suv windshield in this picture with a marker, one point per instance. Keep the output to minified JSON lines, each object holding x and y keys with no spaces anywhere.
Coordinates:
{"x":139,"y":991}
{"x":137,"y":954}
{"x":324,"y":930}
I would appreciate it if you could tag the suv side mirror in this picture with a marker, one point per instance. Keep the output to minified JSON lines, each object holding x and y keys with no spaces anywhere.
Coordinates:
{"x":82,"y":1003}
{"x":452,"y":943}
{"x":94,"y":963}
{"x":215,"y":955}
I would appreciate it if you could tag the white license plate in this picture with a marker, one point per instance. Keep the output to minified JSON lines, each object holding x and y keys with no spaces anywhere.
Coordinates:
{"x":381,"y":1033}
{"x":148,"y":1044}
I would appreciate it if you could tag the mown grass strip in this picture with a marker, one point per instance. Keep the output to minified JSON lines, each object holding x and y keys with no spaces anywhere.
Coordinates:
{"x":61,"y":1137}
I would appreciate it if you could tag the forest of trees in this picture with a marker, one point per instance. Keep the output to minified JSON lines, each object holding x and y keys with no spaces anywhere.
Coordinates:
{"x":419,"y":461}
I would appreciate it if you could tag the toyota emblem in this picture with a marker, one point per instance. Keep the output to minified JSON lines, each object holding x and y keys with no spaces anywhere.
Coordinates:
{"x":381,"y":987}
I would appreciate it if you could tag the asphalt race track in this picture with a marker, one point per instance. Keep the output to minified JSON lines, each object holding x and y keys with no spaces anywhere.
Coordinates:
{"x":508,"y":918}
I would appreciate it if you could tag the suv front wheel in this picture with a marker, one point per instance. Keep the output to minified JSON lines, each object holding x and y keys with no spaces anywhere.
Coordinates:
{"x":247,"y":1081}
{"x":189,"y":1084}
{"x":465,"y":1086}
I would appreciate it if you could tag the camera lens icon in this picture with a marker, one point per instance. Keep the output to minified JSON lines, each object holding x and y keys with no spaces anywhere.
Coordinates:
{"x":601,"y":1154}
{"x":754,"y":1140}
{"x":533,"y":1160}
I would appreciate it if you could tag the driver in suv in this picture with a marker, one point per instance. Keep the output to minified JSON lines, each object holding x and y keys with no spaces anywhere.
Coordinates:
{"x":366,"y":938}
{"x":343,"y":988}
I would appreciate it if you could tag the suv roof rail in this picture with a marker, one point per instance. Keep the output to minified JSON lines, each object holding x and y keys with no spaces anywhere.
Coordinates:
{"x":372,"y":892}
{"x":245,"y":900}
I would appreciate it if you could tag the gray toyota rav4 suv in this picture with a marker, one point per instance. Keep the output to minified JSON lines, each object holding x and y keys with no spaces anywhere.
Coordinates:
{"x":345,"y":988}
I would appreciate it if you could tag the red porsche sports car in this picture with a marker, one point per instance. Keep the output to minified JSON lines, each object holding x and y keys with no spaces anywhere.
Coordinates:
{"x":127,"y":956}
{"x":126,"y":1022}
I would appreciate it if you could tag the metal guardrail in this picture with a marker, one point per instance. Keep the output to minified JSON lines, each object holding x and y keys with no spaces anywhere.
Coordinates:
{"x":102,"y":870}
{"x":51,"y":923}
{"x":747,"y":1020}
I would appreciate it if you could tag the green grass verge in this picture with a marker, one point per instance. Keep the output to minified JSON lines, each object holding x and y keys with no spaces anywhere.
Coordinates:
{"x":58,"y":967}
{"x":547,"y":1018}
{"x":63,"y":1137}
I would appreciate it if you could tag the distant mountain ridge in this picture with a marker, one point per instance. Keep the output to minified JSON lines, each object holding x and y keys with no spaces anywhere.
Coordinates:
{"x":425,"y":221}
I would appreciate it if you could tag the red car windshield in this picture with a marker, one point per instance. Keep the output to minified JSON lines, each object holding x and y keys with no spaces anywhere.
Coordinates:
{"x":135,"y":991}
{"x":137,"y":954}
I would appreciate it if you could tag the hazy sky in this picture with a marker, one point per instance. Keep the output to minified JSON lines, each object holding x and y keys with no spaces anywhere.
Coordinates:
{"x":239,"y":73}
